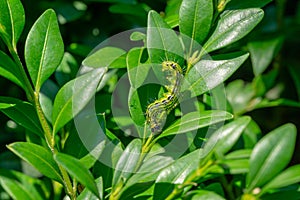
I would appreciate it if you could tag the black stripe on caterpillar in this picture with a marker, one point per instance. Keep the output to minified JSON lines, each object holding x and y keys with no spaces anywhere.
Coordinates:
{"x":157,"y":112}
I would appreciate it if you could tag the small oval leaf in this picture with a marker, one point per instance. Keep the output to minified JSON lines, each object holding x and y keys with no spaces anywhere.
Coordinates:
{"x":232,"y":26}
{"x":37,"y":156}
{"x":9,"y":70}
{"x":126,"y":164}
{"x":78,"y":171}
{"x":44,"y":48}
{"x":23,"y":113}
{"x":207,"y":74}
{"x":195,"y":120}
{"x":195,"y":18}
{"x":288,"y":177}
{"x":162,"y":41}
{"x":104,"y":57}
{"x":225,"y":137}
{"x":270,"y":155}
{"x":73,"y":96}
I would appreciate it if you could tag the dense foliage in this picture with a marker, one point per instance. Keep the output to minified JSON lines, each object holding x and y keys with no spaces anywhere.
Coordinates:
{"x":78,"y":113}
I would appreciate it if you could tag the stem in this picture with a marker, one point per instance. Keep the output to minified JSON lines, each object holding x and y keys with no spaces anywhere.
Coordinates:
{"x":28,"y":87}
{"x":44,"y":123}
{"x":51,"y":143}
{"x":67,"y":182}
{"x":228,"y":188}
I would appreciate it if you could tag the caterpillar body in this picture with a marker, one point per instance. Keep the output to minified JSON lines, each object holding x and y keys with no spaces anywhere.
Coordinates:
{"x":157,"y":112}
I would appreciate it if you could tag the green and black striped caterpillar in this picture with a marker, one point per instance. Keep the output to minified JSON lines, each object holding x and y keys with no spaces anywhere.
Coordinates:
{"x":157,"y":112}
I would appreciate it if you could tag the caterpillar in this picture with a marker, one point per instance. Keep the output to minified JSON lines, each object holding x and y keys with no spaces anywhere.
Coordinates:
{"x":157,"y":112}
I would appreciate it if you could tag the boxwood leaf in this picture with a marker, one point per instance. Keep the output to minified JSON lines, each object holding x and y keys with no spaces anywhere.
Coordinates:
{"x":67,"y":69}
{"x":126,"y":164}
{"x":225,"y":137}
{"x":37,"y":156}
{"x":9,"y":70}
{"x":232,"y":26}
{"x":88,"y":195}
{"x":162,"y":41}
{"x":270,"y":155}
{"x":44,"y":48}
{"x":78,"y":171}
{"x":73,"y":96}
{"x":22,"y":113}
{"x":137,"y":72}
{"x":16,"y":190}
{"x":175,"y":173}
{"x":288,"y":177}
{"x":195,"y":120}
{"x":207,"y":74}
{"x":262,"y":53}
{"x":12,"y":20}
{"x":204,"y":194}
{"x":19,"y":185}
{"x":104,"y":57}
{"x":195,"y":18}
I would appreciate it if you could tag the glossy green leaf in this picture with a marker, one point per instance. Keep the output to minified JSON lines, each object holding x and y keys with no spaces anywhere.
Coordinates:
{"x":262,"y":53}
{"x":180,"y":169}
{"x":239,"y":94}
{"x":37,"y":156}
{"x":22,"y":113}
{"x":137,"y":72}
{"x":251,"y":135}
{"x":9,"y":70}
{"x":265,"y":103}
{"x":231,"y":166}
{"x":47,"y":95}
{"x":103,"y":57}
{"x":175,"y":173}
{"x":15,"y":189}
{"x":204,"y":194}
{"x":44,"y":48}
{"x":148,"y":171}
{"x":195,"y":120}
{"x":88,"y":195}
{"x":207,"y":74}
{"x":144,"y":178}
{"x":162,"y":41}
{"x":67,"y":69}
{"x":74,"y":96}
{"x":19,"y":185}
{"x":288,"y":177}
{"x":77,"y":170}
{"x":286,"y":193}
{"x":232,"y":26}
{"x":239,"y":154}
{"x":12,"y":21}
{"x":195,"y":17}
{"x":271,"y":155}
{"x":90,"y":159}
{"x":225,"y":137}
{"x":126,"y":164}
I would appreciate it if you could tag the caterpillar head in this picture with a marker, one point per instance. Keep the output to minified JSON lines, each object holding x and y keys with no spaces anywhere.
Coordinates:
{"x":167,"y":65}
